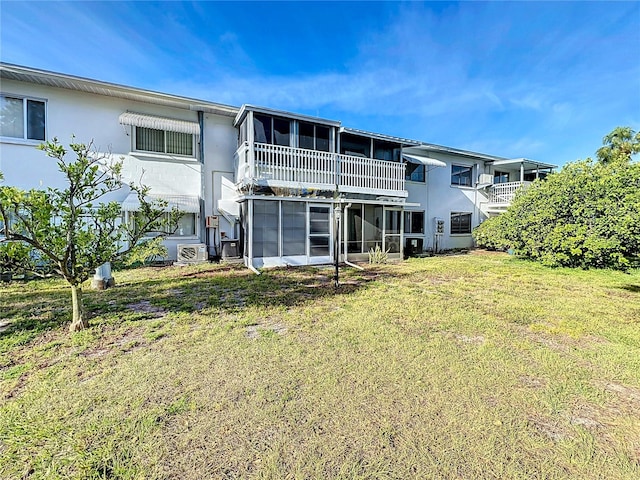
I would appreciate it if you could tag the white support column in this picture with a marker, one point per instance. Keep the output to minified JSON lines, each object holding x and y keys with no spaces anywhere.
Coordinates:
{"x":249,"y":234}
{"x":251,"y":140}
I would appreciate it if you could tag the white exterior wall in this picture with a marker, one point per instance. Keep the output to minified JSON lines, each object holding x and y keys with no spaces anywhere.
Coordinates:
{"x":220,"y":143}
{"x":95,"y":117}
{"x":438,"y":199}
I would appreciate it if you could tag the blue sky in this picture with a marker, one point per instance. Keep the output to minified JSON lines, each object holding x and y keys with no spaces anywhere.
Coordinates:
{"x":542,"y":80}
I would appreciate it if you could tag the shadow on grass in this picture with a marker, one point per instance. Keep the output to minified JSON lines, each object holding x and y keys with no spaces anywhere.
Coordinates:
{"x":631,"y":288}
{"x":170,"y":290}
{"x":233,"y":290}
{"x":28,"y":311}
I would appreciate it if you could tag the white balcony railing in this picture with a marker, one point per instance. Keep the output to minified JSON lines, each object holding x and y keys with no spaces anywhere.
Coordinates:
{"x":288,"y":165}
{"x":503,"y":193}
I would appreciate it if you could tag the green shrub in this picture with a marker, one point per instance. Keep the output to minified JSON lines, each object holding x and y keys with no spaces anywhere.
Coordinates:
{"x":587,"y":215}
{"x":489,"y":234}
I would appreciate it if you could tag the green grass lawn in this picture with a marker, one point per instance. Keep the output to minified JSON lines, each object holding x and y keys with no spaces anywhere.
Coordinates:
{"x":465,"y":367}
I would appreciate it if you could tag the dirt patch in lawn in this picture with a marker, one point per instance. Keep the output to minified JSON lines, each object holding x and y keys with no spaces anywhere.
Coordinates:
{"x":255,"y":331}
{"x":126,"y":342}
{"x":549,"y":428}
{"x":145,"y":306}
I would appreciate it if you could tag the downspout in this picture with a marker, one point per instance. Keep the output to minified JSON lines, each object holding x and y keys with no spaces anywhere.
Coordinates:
{"x":252,"y":268}
{"x":427,"y":220}
{"x":476,"y":207}
{"x":204,"y":233}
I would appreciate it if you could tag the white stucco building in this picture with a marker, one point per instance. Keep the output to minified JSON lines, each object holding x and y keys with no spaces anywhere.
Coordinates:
{"x":289,"y":188}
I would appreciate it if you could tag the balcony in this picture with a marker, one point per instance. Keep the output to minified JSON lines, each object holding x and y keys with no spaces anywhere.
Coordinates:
{"x":500,"y":195}
{"x":280,"y":166}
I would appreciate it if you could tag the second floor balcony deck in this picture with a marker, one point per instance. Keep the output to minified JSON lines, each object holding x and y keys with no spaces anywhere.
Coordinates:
{"x":282,"y":166}
{"x":503,"y":193}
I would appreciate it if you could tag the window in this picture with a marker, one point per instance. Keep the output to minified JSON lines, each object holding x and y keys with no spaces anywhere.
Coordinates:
{"x":355,"y":145}
{"x":500,"y":177}
{"x":392,"y":230}
{"x":294,"y":228}
{"x":161,"y":141}
{"x":266,"y":231}
{"x":531,"y":176}
{"x":460,"y":223}
{"x":186,"y":224}
{"x":415,"y":172}
{"x":281,"y":132}
{"x":282,"y":228}
{"x":461,"y":175}
{"x":242,"y":132}
{"x":22,"y":118}
{"x":322,"y":138}
{"x":413,"y":222}
{"x":319,"y":231}
{"x":386,"y":151}
{"x":313,"y":137}
{"x":276,"y":131}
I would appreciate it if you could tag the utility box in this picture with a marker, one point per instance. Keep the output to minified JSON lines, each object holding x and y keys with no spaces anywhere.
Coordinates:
{"x":413,"y":246}
{"x":230,"y":249}
{"x":438,"y":224}
{"x":213,"y":221}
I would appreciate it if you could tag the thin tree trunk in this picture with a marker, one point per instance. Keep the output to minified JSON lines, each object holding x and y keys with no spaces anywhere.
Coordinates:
{"x":79,"y":321}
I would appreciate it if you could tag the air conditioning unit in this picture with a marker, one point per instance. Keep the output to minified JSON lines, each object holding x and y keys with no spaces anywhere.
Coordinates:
{"x":230,"y":249}
{"x":392,"y":246}
{"x":485,"y":179}
{"x":192,"y":253}
{"x":413,"y":246}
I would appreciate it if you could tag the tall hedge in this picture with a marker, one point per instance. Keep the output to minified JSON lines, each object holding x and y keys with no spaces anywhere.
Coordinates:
{"x":587,"y":215}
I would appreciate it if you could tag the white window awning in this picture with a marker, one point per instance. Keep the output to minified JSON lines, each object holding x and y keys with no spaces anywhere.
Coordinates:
{"x":432,"y":162}
{"x":184,"y":203}
{"x":159,"y":123}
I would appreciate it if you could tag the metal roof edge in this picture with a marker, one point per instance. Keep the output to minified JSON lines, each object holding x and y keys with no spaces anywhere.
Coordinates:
{"x":73,"y":82}
{"x":381,"y":136}
{"x":282,"y":113}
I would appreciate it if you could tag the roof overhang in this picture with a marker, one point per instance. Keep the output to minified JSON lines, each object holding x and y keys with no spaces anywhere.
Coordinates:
{"x":431,"y":162}
{"x":380,"y":136}
{"x":71,"y":82}
{"x":159,"y":123}
{"x":423,"y":148}
{"x":528,"y":164}
{"x":281,"y":113}
{"x":184,"y":203}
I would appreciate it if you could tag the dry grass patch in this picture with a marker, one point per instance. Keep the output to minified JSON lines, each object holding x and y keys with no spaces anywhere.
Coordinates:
{"x":470,"y":366}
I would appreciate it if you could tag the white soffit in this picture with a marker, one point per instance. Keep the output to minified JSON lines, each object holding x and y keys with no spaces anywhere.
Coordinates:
{"x":184,"y":203}
{"x":432,"y":162}
{"x":159,"y":123}
{"x":516,"y":162}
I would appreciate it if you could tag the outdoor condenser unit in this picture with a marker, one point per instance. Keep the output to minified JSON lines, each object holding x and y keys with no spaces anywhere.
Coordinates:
{"x":192,"y":253}
{"x":413,"y":246}
{"x":485,"y":179}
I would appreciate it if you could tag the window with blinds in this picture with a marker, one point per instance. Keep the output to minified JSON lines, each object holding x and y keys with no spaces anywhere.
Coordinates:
{"x":161,"y":141}
{"x":22,"y":118}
